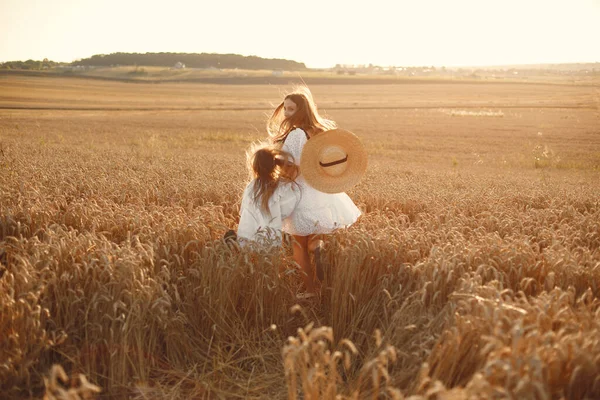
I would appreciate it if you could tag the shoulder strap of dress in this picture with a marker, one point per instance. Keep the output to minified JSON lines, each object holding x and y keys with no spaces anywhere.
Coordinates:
{"x":305,"y":133}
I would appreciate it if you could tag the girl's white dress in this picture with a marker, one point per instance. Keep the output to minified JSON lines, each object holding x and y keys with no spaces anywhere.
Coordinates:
{"x":256,"y":225}
{"x":316,"y":212}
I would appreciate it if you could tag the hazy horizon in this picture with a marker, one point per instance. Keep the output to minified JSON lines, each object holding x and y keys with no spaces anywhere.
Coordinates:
{"x":464,"y":33}
{"x":334,"y":65}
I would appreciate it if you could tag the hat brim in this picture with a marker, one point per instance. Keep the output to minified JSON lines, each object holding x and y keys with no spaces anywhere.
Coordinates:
{"x":316,"y":176}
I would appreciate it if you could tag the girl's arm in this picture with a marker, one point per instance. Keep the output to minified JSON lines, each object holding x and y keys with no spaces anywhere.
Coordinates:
{"x":289,"y":196}
{"x":249,"y":221}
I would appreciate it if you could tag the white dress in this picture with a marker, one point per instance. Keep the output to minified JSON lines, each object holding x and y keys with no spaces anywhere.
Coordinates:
{"x":316,"y":212}
{"x":257,"y":226}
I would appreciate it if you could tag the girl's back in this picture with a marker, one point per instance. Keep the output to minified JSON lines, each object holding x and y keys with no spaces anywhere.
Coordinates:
{"x":270,"y":196}
{"x":256,"y":222}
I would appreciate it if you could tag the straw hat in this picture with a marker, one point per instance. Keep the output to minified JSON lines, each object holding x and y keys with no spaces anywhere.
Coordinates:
{"x":333,"y":161}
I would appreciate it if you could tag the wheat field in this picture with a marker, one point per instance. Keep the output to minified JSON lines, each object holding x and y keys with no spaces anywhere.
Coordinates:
{"x":474,"y":271}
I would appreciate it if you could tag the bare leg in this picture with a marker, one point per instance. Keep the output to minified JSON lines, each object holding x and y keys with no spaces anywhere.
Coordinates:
{"x":300,"y":253}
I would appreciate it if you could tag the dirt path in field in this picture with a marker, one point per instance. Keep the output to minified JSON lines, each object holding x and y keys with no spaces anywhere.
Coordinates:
{"x":66,"y":94}
{"x":308,"y":80}
{"x":470,"y":106}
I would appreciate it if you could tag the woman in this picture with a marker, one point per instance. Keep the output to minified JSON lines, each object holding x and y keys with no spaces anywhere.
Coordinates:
{"x":291,"y":125}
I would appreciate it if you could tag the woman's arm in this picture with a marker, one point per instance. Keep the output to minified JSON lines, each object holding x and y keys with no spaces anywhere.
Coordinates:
{"x":294,"y":143}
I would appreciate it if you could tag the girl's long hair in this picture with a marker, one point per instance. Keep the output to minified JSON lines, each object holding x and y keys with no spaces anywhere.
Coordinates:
{"x":306,"y":117}
{"x":269,"y":167}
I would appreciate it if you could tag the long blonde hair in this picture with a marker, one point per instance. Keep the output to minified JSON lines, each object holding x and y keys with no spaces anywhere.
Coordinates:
{"x":269,"y":166}
{"x":306,"y":117}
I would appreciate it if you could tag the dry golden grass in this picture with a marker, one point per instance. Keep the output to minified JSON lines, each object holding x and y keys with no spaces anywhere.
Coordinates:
{"x":473,"y":273}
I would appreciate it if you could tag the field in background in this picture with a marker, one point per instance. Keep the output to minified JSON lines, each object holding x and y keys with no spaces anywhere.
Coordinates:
{"x":581,"y":75}
{"x":475,"y":269}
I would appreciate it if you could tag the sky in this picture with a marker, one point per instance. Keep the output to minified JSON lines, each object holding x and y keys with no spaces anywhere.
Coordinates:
{"x":319,"y":33}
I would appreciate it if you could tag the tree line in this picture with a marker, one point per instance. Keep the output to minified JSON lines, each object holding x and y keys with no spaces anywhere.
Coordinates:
{"x":190,"y":60}
{"x":32,"y":64}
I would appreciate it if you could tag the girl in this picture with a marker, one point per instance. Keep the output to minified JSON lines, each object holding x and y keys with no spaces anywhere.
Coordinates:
{"x":270,"y":197}
{"x":291,"y":125}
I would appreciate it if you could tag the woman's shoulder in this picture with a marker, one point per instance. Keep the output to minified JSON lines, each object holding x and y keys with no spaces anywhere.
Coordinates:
{"x":294,"y":143}
{"x":297,"y":133}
